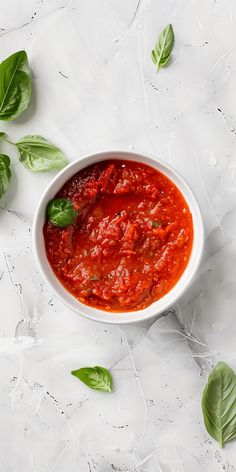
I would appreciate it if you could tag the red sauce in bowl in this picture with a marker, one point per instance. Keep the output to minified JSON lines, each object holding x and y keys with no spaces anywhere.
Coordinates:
{"x":131,"y":241}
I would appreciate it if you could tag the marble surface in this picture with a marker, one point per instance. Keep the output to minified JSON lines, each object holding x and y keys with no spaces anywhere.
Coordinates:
{"x":95,"y":88}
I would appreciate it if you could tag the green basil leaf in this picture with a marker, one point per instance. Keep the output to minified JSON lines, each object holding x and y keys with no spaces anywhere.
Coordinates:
{"x":15,"y":86}
{"x":154,"y":56}
{"x":161,"y":55}
{"x":5,"y":173}
{"x":156,"y":224}
{"x":219,"y":404}
{"x":165,"y":62}
{"x":96,"y":378}
{"x":61,"y":212}
{"x":38,"y":155}
{"x":2,"y":135}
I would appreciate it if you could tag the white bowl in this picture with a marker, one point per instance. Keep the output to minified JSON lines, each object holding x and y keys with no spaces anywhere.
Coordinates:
{"x":100,"y":315}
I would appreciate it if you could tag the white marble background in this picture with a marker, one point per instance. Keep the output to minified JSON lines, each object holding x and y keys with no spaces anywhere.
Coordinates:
{"x":94,"y":88}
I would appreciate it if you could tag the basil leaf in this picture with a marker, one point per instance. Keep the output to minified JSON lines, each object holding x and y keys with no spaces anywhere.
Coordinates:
{"x":161,"y":55}
{"x":156,"y":224}
{"x":96,"y":378}
{"x":5,"y":173}
{"x":38,"y":155}
{"x":219,"y":404}
{"x":61,"y":212}
{"x":154,"y":56}
{"x":15,"y":86}
{"x":2,"y":135}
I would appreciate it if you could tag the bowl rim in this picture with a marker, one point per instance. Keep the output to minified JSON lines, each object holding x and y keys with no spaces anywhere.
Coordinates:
{"x":165,"y":302}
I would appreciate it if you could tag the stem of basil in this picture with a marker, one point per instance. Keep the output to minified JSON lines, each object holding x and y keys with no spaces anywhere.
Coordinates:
{"x":7,"y":141}
{"x":3,"y":137}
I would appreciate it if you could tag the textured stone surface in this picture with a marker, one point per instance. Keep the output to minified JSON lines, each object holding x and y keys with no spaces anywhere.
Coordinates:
{"x":95,"y":88}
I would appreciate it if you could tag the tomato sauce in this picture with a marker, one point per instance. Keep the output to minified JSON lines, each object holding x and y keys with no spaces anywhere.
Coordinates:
{"x":131,"y":241}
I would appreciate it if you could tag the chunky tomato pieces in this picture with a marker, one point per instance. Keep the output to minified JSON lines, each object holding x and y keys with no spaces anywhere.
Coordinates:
{"x":132,"y":239}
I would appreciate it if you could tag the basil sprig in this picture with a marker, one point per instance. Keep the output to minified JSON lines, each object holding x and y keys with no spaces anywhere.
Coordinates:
{"x":96,"y":378}
{"x":161,"y":54}
{"x":219,"y":404}
{"x":35,"y":153}
{"x":61,"y":212}
{"x":38,"y":155}
{"x":15,"y":86}
{"x":5,"y":174}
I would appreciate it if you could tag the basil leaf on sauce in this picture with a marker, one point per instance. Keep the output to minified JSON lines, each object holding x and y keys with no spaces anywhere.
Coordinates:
{"x":15,"y":86}
{"x":5,"y":174}
{"x":96,"y":378}
{"x":161,"y":55}
{"x":156,"y":224}
{"x":61,"y":213}
{"x":219,"y":404}
{"x":38,"y":155}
